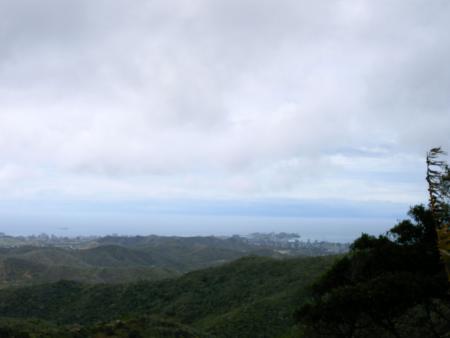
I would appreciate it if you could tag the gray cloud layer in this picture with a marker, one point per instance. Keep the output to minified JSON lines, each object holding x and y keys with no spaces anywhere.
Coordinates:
{"x":222,"y":98}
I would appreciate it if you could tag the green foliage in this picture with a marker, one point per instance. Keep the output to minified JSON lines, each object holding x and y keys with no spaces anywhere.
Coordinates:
{"x":384,"y":281}
{"x":251,"y":297}
{"x":120,"y":259}
{"x":18,"y":272}
{"x":438,"y":179}
{"x":139,"y":327}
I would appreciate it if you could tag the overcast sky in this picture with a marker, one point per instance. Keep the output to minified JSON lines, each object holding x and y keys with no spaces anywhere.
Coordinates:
{"x":200,"y":100}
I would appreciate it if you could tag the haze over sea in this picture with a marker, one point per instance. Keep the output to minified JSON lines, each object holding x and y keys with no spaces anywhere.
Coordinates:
{"x":325,"y":220}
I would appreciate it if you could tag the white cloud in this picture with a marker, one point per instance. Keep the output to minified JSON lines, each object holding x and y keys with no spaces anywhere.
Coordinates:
{"x":224,"y":98}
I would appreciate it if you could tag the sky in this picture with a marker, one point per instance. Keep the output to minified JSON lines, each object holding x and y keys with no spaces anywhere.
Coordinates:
{"x":204,"y":117}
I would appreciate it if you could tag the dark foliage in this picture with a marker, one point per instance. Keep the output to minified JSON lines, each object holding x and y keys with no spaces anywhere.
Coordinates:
{"x":139,"y":327}
{"x":382,"y":284}
{"x":251,"y":297}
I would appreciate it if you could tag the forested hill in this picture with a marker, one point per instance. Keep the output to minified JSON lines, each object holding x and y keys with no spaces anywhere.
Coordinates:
{"x":251,"y":297}
{"x":120,"y":259}
{"x":393,"y":285}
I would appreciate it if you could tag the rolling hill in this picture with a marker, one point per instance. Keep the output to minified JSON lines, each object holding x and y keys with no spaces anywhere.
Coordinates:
{"x":120,"y":259}
{"x":253,"y":296}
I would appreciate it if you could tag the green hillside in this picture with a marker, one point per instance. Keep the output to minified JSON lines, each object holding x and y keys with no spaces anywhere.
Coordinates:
{"x":120,"y":259}
{"x":109,"y":264}
{"x":19,"y":272}
{"x":188,"y":253}
{"x":251,"y":297}
{"x":139,"y":327}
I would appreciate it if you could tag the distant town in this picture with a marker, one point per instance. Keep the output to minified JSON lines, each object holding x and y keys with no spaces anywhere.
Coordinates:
{"x":284,"y":243}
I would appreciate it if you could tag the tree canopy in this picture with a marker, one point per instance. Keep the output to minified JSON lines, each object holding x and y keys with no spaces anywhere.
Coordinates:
{"x":392,"y":285}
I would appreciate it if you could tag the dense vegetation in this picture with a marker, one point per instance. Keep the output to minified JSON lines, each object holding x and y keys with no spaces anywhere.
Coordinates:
{"x":139,"y":327}
{"x":393,"y":285}
{"x":31,"y":265}
{"x":113,"y":263}
{"x":251,"y":297}
{"x":120,"y":259}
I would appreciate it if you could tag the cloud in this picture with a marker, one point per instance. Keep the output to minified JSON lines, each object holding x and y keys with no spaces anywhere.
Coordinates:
{"x":223,"y":98}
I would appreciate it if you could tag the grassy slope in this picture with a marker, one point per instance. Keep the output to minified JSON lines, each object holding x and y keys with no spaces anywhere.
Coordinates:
{"x":253,"y":296}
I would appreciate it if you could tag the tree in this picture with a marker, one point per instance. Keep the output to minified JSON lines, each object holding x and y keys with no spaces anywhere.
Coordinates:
{"x":438,"y":179}
{"x":393,"y":285}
